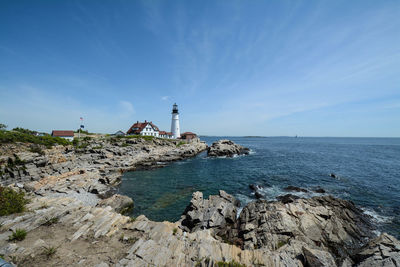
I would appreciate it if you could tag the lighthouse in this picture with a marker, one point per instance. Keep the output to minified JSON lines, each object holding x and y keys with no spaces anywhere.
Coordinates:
{"x":176,"y":131}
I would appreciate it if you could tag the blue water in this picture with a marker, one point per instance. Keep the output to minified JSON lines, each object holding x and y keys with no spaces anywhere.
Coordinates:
{"x":368,"y":171}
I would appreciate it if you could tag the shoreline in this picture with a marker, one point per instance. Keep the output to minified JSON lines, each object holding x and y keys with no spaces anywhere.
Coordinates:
{"x":81,"y":228}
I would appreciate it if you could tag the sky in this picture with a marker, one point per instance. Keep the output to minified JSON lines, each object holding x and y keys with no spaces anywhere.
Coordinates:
{"x":265,"y":68}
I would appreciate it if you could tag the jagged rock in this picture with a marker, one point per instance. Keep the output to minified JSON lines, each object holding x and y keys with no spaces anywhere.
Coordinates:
{"x":217,"y":213}
{"x":120,"y":203}
{"x":258,"y":195}
{"x":383,"y":250}
{"x":288,"y":198}
{"x":295,"y":189}
{"x":334,"y":224}
{"x":318,"y":258}
{"x":226,"y":148}
{"x":319,"y":190}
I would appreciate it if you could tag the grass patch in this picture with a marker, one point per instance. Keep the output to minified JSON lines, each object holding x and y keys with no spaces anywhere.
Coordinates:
{"x":281,"y":243}
{"x":132,"y":219}
{"x":129,"y":240}
{"x":18,"y":235}
{"x":9,"y":137}
{"x":51,"y":221}
{"x":11,"y":201}
{"x":49,"y":251}
{"x":174,"y":231}
{"x":180,"y":143}
{"x":145,"y":137}
{"x":124,"y":145}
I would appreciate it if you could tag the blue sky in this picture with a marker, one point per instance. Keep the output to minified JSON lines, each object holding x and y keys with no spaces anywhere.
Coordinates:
{"x":311,"y":68}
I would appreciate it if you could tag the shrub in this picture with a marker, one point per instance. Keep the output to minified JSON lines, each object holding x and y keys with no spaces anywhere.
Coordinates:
{"x":36,"y":149}
{"x":3,"y":127}
{"x":21,"y":136}
{"x":11,"y":201}
{"x":25,"y":131}
{"x":174,"y":231}
{"x":18,"y":235}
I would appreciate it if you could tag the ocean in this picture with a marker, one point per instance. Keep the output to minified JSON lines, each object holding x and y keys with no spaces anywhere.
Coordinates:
{"x":367,"y":170}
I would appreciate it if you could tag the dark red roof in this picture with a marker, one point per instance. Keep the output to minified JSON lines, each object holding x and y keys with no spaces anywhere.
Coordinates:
{"x":188,"y":133}
{"x":140,"y":126}
{"x":63,"y":133}
{"x":165,"y":133}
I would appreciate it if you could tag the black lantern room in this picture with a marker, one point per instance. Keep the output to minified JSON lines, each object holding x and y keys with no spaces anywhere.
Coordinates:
{"x":175,"y":109}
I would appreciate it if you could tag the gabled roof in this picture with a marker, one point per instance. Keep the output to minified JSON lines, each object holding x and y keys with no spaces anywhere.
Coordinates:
{"x":140,"y":126}
{"x":62,"y":133}
{"x":154,"y":126}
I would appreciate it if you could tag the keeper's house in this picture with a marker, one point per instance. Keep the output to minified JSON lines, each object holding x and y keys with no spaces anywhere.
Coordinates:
{"x":69,"y":135}
{"x":144,"y":128}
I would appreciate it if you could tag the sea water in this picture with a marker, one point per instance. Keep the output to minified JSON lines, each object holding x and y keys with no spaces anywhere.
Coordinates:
{"x":367,"y":170}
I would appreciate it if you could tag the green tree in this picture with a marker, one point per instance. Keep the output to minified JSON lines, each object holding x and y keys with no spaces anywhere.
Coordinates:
{"x":3,"y":127}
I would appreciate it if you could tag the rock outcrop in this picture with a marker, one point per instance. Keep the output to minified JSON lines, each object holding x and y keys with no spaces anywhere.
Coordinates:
{"x":217,"y":213}
{"x":383,"y":250}
{"x":226,"y":148}
{"x":323,"y":231}
{"x":121,"y":204}
{"x":325,"y":222}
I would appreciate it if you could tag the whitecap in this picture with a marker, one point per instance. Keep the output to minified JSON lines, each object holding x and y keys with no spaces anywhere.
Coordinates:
{"x":377,"y":217}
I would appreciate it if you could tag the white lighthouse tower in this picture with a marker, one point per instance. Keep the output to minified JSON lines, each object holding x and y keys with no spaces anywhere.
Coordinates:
{"x":176,"y":131}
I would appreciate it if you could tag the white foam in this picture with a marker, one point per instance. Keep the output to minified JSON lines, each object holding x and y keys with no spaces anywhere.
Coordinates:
{"x":244,"y":200}
{"x":376,"y":217}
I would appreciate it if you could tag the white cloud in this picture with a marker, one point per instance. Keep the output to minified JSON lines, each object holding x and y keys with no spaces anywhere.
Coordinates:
{"x":165,"y":98}
{"x":126,"y":107}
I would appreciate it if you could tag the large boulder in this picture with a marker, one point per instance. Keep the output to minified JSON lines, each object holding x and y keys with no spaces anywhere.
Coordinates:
{"x":120,"y":203}
{"x":218,"y":213}
{"x":226,"y":148}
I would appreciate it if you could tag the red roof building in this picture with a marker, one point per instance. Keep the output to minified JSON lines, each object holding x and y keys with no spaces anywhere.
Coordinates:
{"x":188,"y":135}
{"x":62,"y":133}
{"x":144,"y":128}
{"x":69,"y":135}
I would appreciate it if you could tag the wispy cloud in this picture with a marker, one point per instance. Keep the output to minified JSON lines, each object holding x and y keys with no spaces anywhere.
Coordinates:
{"x":165,"y":98}
{"x":126,"y":108}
